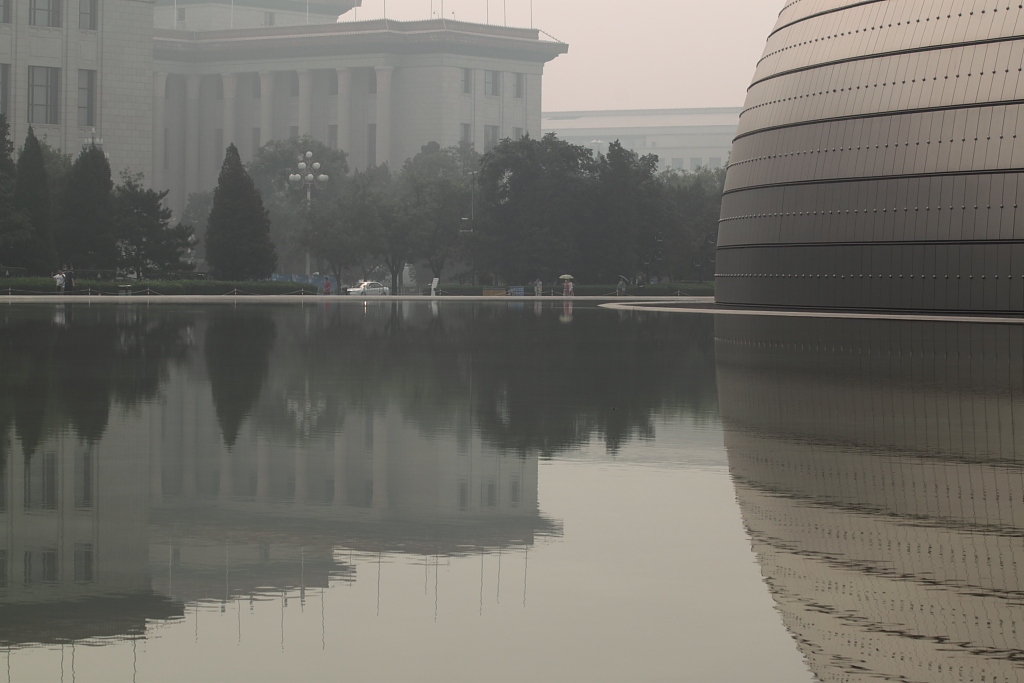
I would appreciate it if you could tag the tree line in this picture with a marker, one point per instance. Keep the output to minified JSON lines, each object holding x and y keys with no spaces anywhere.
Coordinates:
{"x":57,"y":212}
{"x":527,"y":209}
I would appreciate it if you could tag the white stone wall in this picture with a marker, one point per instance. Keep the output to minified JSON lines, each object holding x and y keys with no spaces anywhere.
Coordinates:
{"x":121,"y":53}
{"x":216,"y":17}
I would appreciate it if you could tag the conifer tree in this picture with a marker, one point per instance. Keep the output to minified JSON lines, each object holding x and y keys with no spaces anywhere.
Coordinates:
{"x":15,"y":230}
{"x":238,"y":245}
{"x":32,"y":199}
{"x":87,"y":236}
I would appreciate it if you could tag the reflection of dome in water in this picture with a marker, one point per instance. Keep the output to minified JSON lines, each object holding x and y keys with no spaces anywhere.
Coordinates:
{"x":878,"y":160}
{"x":876,"y":471}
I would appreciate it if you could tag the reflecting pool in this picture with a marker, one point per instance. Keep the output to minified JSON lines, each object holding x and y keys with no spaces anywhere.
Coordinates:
{"x":510,"y":491}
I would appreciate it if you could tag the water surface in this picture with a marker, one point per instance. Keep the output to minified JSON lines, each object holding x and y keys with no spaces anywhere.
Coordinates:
{"x":455,"y":491}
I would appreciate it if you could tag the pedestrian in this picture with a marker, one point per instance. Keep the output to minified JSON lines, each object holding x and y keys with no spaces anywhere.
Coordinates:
{"x":538,"y":287}
{"x":59,"y":279}
{"x":572,"y":289}
{"x":69,"y":279}
{"x":327,"y":285}
{"x":620,"y":289}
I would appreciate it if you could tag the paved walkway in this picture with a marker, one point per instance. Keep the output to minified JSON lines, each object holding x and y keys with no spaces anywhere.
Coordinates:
{"x":707,"y":305}
{"x":661,"y":304}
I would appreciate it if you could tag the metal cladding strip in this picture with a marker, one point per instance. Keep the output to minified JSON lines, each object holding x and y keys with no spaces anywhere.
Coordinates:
{"x":881,"y":55}
{"x":814,"y":15}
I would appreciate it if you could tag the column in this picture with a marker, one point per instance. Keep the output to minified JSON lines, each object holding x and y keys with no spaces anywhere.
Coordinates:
{"x":229,"y":81}
{"x":340,"y":481}
{"x":384,"y":113}
{"x":262,"y":471}
{"x":305,"y":102}
{"x":266,"y":107}
{"x":157,"y":181}
{"x":345,"y":110}
{"x":191,"y":134}
{"x":301,"y":473}
{"x":379,"y":501}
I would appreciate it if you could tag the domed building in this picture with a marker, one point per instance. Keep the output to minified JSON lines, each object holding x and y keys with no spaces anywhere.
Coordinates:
{"x":879,"y":162}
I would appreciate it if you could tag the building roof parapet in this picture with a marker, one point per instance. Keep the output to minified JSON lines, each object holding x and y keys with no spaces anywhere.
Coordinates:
{"x":577,"y":114}
{"x":358,"y":37}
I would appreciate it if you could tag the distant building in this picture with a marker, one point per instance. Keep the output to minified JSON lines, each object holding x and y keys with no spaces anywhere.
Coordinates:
{"x":76,"y":69}
{"x":378,"y":89}
{"x":167,"y":86}
{"x":682,"y":138}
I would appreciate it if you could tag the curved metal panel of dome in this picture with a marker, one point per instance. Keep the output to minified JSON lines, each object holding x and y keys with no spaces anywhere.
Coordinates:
{"x":879,"y":160}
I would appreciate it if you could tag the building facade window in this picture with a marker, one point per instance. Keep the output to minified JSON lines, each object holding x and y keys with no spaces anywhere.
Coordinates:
{"x":167,"y":148}
{"x":86,"y":97}
{"x":83,"y":480}
{"x":293,"y":84}
{"x":44,"y":12}
{"x":520,"y":90}
{"x":257,"y":88}
{"x":50,"y":567}
{"x":490,"y":137}
{"x":517,"y":133}
{"x":5,"y":88}
{"x":332,"y":84}
{"x":5,"y":11}
{"x":715,"y":162}
{"x":492,"y":83}
{"x":293,"y":132}
{"x":695,"y":163}
{"x":218,"y":144}
{"x":372,"y":161}
{"x":87,"y":10}
{"x":181,"y":17}
{"x":268,"y":18}
{"x":84,"y":563}
{"x":332,"y":136}
{"x":466,"y":132}
{"x":467,"y":81}
{"x":255,"y":139}
{"x":371,"y":85}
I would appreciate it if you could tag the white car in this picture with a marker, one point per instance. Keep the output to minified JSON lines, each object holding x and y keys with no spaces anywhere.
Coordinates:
{"x":369,"y":289}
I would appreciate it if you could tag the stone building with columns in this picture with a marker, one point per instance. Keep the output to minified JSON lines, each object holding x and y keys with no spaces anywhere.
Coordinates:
{"x":377,"y":89}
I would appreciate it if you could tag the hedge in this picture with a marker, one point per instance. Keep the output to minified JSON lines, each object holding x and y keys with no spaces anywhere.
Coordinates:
{"x":45,"y":285}
{"x":662,"y":289}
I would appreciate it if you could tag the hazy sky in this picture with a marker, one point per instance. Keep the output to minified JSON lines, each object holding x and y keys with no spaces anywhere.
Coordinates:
{"x":628,"y":55}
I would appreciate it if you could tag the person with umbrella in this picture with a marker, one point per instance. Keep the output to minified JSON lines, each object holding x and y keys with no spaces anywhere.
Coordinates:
{"x":567,"y":288}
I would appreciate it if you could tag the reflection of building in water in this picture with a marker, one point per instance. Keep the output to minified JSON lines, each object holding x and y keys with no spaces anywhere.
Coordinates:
{"x":878,"y":469}
{"x":373,"y":483}
{"x":73,"y":546}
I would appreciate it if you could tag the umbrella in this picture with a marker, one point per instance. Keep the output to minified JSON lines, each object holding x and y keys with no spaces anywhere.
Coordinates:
{"x":565,"y":277}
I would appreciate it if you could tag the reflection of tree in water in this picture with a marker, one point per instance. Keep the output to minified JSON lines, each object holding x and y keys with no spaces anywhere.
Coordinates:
{"x":238,"y":344}
{"x":528,"y":382}
{"x":66,"y":368}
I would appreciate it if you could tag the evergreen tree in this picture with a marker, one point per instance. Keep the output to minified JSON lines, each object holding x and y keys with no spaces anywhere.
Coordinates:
{"x":146,"y":241}
{"x":15,"y":229}
{"x":32,"y":198}
{"x":86,"y":236}
{"x":238,"y":245}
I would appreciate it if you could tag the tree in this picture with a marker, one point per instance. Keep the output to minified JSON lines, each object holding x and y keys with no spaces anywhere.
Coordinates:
{"x":536,"y":198}
{"x":32,"y":197}
{"x":197,"y":214}
{"x":146,"y":239}
{"x":16,"y":233}
{"x":238,"y":245}
{"x":337,"y":231}
{"x":436,"y":185}
{"x":270,"y":168}
{"x":86,"y":234}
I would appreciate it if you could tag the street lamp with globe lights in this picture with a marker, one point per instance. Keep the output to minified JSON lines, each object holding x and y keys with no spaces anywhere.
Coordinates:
{"x":309,"y":176}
